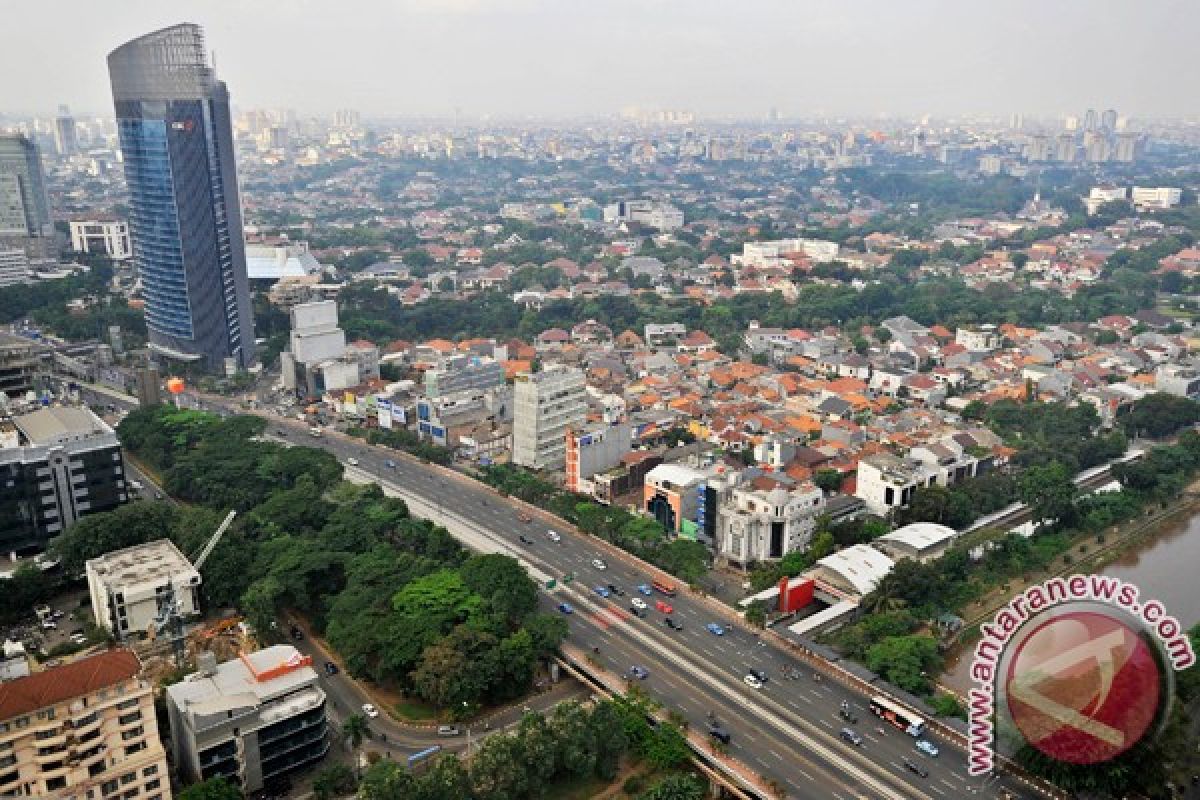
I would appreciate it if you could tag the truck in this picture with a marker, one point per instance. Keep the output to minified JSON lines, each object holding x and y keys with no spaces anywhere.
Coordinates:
{"x":314,"y":432}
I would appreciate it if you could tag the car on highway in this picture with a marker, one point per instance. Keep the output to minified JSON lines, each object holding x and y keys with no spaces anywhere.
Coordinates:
{"x":640,"y":613}
{"x":927,"y":747}
{"x":390,"y":464}
{"x":752,"y":682}
{"x":554,"y":536}
{"x":916,"y":768}
{"x":617,"y":590}
{"x":566,"y":608}
{"x":644,"y":588}
{"x":666,"y":608}
{"x":331,"y":668}
{"x":715,"y":629}
{"x":370,"y":710}
{"x":352,"y":462}
{"x":638,"y":602}
{"x":448,"y":730}
{"x":638,"y":672}
{"x":602,"y":591}
{"x":598,"y":564}
{"x":672,"y":624}
{"x":137,"y":485}
{"x":720,"y":734}
{"x":851,"y":736}
{"x":849,"y":716}
{"x":758,"y":673}
{"x":525,"y":539}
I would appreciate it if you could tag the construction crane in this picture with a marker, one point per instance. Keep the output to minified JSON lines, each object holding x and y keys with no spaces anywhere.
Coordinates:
{"x":170,"y":615}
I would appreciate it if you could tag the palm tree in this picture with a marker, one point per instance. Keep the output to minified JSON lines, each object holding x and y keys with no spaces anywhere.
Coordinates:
{"x":355,"y":729}
{"x":884,"y":596}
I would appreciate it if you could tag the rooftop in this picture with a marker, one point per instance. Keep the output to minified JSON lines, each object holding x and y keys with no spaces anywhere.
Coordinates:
{"x":59,"y":684}
{"x":141,"y":564}
{"x":51,"y":426}
{"x":862,"y":566}
{"x":245,"y":682}
{"x":920,"y":536}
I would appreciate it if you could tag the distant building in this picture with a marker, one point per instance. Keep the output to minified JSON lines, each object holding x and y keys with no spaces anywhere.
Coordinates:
{"x":661,"y":216}
{"x":148,"y":387}
{"x":18,"y":364}
{"x":754,"y":525}
{"x":1101,"y":195}
{"x":250,"y":720}
{"x":14,"y":267}
{"x":593,"y":449}
{"x":83,"y":729}
{"x":66,"y":135}
{"x":273,"y":262}
{"x":980,"y":338}
{"x":24,"y":206}
{"x":1155,"y":199}
{"x":546,"y":405}
{"x":56,"y":466}
{"x":774,"y":253}
{"x":1179,"y":380}
{"x":665,"y":334}
{"x":108,"y":237}
{"x":317,"y":359}
{"x":922,"y":541}
{"x":127,"y":586}
{"x":461,"y":372}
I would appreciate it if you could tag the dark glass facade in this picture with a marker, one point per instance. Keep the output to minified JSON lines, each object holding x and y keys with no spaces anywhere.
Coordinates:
{"x":185,"y":215}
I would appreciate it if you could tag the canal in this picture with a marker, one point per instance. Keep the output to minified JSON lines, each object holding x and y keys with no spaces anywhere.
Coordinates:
{"x":1163,"y":567}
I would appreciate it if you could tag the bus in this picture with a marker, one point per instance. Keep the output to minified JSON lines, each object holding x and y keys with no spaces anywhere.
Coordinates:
{"x":898,"y":715}
{"x":663,"y":587}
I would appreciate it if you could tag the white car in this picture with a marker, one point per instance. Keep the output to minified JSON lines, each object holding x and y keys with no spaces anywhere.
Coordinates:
{"x":598,"y":564}
{"x":370,"y":710}
{"x":638,"y":602}
{"x":554,"y":536}
{"x":352,"y":462}
{"x":752,"y":682}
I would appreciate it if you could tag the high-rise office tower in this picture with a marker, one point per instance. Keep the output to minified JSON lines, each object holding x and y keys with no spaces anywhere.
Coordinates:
{"x":1090,"y":120}
{"x":24,"y":209}
{"x":66,"y":140}
{"x":186,"y":218}
{"x":1108,"y":120}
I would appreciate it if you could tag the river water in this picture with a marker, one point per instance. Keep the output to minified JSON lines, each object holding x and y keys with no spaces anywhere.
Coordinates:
{"x":1164,"y":567}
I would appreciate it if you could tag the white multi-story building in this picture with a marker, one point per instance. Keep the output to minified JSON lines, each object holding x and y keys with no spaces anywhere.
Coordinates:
{"x":661,"y":216}
{"x":770,"y":254}
{"x":127,"y":586}
{"x":251,"y":719}
{"x":545,"y":405}
{"x":755,"y":525}
{"x":107,"y":236}
{"x":85,"y":729}
{"x":980,"y":338}
{"x":1099,"y":195}
{"x":1160,"y":198}
{"x":317,"y":359}
{"x":14,"y":267}
{"x":886,"y":482}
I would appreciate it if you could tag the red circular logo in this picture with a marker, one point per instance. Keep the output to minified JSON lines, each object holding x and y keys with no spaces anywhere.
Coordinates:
{"x":1083,"y":687}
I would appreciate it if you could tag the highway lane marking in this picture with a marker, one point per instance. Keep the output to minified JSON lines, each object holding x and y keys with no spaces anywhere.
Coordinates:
{"x":776,"y":754}
{"x":936,"y":789}
{"x":794,"y":728}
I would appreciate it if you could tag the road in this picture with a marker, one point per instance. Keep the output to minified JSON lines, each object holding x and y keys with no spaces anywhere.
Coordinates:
{"x":788,"y":730}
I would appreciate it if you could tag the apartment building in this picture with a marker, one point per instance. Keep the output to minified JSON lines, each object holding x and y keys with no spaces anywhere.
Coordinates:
{"x":252,"y":719}
{"x":756,"y":525}
{"x":82,"y":731}
{"x":56,"y":465}
{"x":545,"y":405}
{"x":1155,"y":198}
{"x":127,"y":586}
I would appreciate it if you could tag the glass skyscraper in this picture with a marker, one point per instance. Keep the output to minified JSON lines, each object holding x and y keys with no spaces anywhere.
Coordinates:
{"x":185,"y":218}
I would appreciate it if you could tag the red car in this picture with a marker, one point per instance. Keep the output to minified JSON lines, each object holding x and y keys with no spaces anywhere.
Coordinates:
{"x":663,"y":607}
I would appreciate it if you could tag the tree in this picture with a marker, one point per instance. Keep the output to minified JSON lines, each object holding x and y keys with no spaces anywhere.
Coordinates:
{"x":906,"y":661}
{"x":502,"y":582}
{"x":97,"y":534}
{"x":666,"y":747}
{"x":546,"y":631}
{"x":218,"y":788}
{"x":1048,"y":491}
{"x":336,"y":780}
{"x":828,"y":480}
{"x":756,"y":614}
{"x":681,"y":786}
{"x":355,"y":729}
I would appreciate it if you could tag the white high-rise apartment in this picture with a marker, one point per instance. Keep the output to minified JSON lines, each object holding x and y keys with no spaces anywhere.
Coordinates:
{"x":545,"y":405}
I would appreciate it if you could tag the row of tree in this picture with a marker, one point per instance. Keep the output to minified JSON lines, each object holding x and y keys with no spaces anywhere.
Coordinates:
{"x":573,"y":743}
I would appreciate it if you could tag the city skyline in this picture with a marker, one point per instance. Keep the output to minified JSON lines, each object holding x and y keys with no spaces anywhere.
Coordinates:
{"x":532,"y":58}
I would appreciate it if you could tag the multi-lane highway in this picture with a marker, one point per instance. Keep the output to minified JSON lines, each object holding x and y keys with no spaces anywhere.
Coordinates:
{"x":787,"y":730}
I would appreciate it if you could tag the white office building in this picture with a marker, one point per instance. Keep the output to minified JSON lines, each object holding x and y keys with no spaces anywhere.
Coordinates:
{"x":109,"y":237}
{"x":545,"y":405}
{"x":317,"y":359}
{"x":251,"y":720}
{"x":127,"y":586}
{"x":755,"y":525}
{"x":773,"y":254}
{"x":1155,"y":199}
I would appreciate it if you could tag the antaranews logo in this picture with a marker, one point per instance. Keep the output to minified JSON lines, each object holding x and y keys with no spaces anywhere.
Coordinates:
{"x":1077,"y":667}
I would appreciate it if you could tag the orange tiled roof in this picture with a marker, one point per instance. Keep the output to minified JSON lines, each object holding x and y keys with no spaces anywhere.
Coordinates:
{"x":87,"y":675}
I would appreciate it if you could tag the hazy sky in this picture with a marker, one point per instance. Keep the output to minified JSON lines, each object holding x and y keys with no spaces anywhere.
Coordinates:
{"x":570,"y":57}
